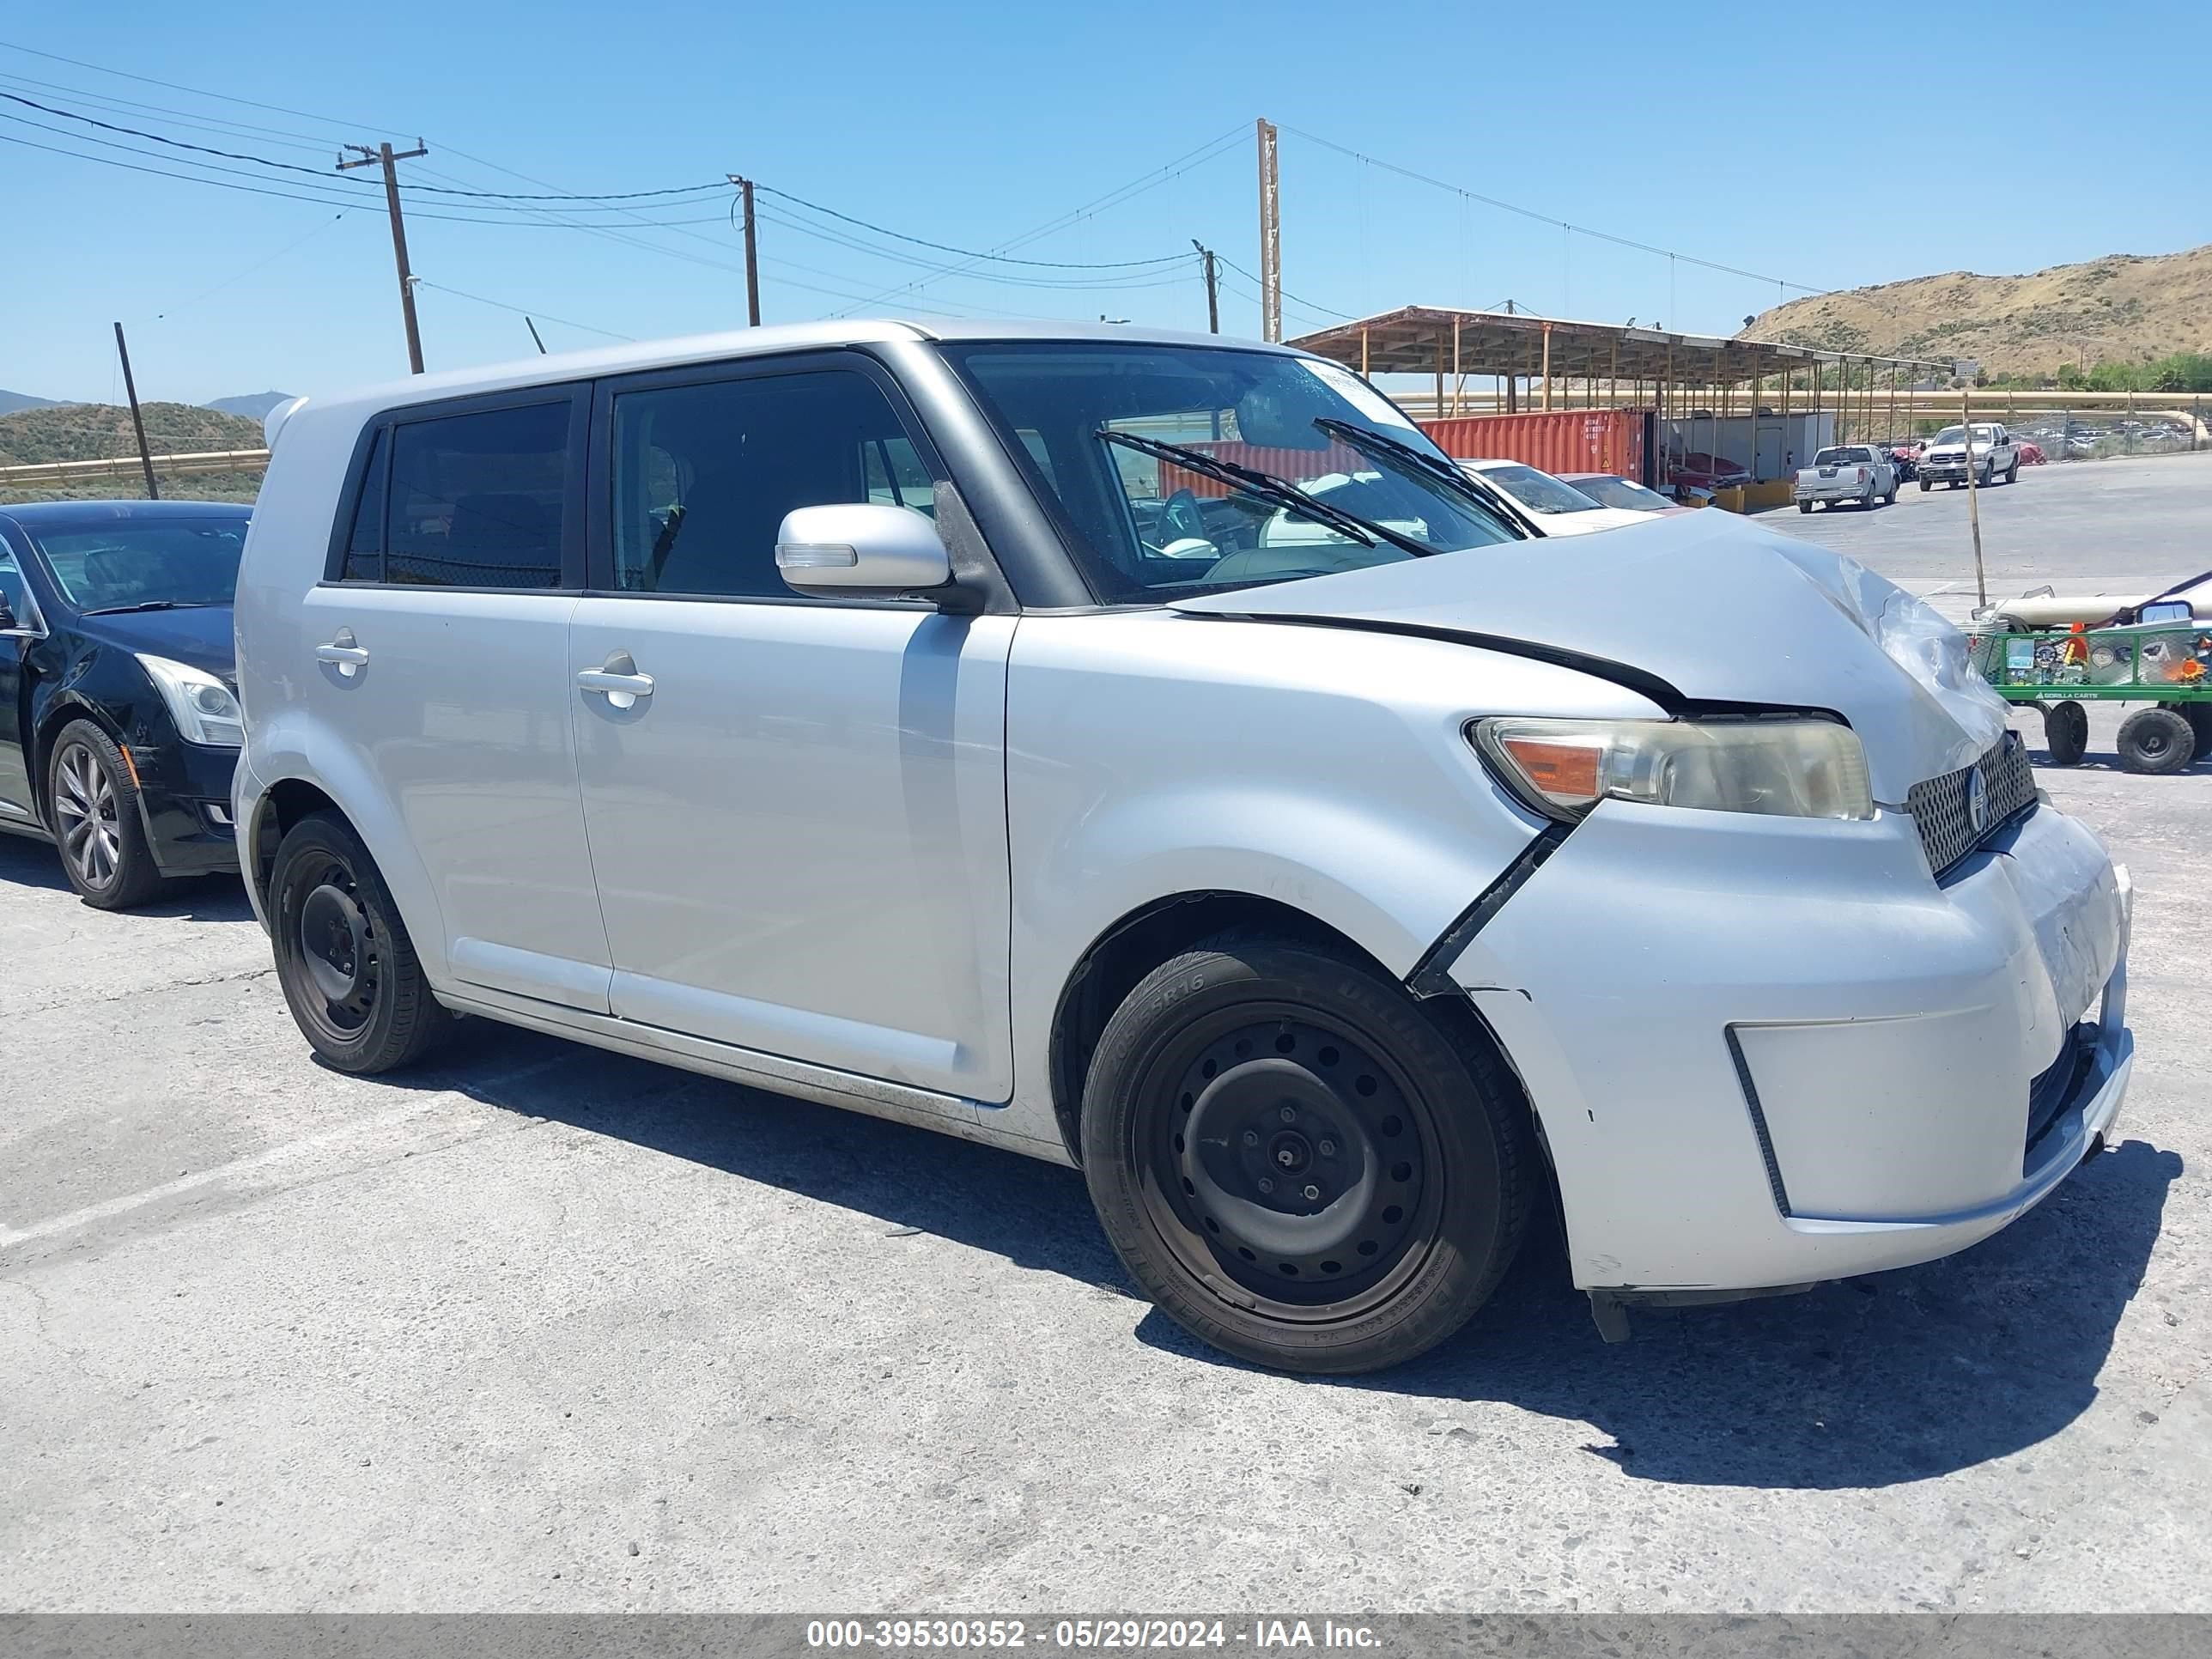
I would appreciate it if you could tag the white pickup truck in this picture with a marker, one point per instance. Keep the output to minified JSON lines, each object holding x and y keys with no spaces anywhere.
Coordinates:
{"x":1997,"y":458}
{"x":1847,"y":472}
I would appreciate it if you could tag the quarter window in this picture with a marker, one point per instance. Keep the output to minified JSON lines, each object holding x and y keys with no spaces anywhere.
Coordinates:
{"x":476,"y":500}
{"x":364,"y":557}
{"x":704,"y":473}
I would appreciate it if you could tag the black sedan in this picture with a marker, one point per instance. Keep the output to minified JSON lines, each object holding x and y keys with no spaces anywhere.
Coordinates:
{"x":119,"y":725}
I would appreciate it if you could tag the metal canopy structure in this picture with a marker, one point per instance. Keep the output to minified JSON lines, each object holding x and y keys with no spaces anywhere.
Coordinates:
{"x":1443,"y":340}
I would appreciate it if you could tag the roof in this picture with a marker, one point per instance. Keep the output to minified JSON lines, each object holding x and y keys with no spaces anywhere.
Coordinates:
{"x":1420,"y":340}
{"x":633,"y":356}
{"x":61,"y":515}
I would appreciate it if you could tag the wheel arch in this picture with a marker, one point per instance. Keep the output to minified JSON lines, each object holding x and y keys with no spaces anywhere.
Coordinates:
{"x":1142,"y":939}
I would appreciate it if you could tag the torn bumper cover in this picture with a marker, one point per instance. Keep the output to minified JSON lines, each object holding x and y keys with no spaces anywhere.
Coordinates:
{"x":1766,"y":1052}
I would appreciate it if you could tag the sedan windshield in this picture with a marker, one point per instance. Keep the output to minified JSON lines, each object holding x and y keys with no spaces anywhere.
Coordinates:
{"x":1540,"y":491}
{"x":1608,"y":491}
{"x":1096,"y":425}
{"x":147,"y":563}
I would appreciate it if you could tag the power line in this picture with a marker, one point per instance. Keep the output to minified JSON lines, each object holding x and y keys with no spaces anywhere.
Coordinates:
{"x":227,"y":282}
{"x":1182,"y":164}
{"x":295,"y":195}
{"x":1148,"y":274}
{"x":197,"y":121}
{"x":1311,"y":306}
{"x":963,"y":252}
{"x":490,"y":197}
{"x":1545,"y":218}
{"x":523,"y":311}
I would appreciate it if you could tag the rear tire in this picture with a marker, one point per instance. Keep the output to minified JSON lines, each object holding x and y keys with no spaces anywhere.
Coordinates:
{"x":2156,"y":741}
{"x":2012,"y":472}
{"x":92,"y":808}
{"x":349,"y":971}
{"x":2066,"y":732}
{"x":1295,"y":1164}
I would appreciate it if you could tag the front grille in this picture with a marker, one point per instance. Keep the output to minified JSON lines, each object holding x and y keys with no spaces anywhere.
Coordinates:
{"x":1942,"y":807}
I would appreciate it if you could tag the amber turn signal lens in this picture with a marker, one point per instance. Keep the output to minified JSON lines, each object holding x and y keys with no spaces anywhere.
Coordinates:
{"x":1564,"y":771}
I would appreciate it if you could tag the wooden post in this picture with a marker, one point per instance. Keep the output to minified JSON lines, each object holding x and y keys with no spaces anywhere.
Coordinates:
{"x":1363,"y":350}
{"x":1459,"y":379}
{"x":1439,"y":403}
{"x":1547,"y":366}
{"x":1973,"y":505}
{"x":137,"y":421}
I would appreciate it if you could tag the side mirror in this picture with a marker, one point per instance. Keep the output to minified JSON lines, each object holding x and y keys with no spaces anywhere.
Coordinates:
{"x":859,"y":549}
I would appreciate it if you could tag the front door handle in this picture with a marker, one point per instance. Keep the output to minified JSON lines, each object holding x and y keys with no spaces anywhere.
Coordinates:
{"x":617,"y":681}
{"x":348,"y":657}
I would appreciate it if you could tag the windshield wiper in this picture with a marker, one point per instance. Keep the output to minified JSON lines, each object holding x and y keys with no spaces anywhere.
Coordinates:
{"x":149,"y":605}
{"x":1371,"y":442}
{"x":1268,"y":487}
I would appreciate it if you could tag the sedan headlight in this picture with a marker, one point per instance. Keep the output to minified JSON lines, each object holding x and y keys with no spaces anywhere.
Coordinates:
{"x":202,"y":705}
{"x":1785,"y":768}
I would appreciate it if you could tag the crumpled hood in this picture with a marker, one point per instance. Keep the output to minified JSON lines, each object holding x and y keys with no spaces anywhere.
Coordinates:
{"x":1690,"y":608}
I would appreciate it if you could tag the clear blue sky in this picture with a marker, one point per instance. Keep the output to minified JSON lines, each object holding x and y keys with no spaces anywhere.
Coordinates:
{"x":1795,"y":141}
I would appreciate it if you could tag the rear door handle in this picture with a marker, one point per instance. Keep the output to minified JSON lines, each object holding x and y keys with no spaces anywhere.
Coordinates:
{"x":349,"y":657}
{"x":617,"y":681}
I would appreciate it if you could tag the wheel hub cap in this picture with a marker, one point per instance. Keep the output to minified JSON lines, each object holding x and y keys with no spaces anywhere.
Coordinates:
{"x":1295,"y":1153}
{"x":334,"y":943}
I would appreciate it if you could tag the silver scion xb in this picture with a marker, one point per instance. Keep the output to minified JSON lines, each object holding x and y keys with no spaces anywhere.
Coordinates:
{"x":1154,"y":754}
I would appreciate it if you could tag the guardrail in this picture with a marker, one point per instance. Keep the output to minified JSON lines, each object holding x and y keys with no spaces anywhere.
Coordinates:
{"x":210,"y":461}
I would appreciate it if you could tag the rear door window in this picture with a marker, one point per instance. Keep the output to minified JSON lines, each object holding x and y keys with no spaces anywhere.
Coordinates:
{"x":477,"y":500}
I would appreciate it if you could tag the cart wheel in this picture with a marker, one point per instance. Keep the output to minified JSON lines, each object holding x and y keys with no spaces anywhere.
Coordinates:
{"x":2066,"y":732}
{"x":2199,"y":716}
{"x":2156,"y":740}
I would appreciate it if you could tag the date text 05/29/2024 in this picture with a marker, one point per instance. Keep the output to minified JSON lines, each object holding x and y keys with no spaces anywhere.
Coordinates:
{"x":1125,"y":1634}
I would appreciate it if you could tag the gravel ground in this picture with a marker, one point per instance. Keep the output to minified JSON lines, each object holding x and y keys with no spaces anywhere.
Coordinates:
{"x":548,"y":1330}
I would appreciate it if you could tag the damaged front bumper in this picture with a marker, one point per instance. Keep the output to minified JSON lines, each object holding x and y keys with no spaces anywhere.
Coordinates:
{"x":1765,"y":1053}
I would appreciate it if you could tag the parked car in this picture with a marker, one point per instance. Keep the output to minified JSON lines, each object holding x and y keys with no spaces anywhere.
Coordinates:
{"x":1846,"y":472}
{"x":1559,"y":508}
{"x":1996,"y":459}
{"x":1903,"y":461}
{"x":1607,"y":490}
{"x":1333,"y":906}
{"x":118,"y":722}
{"x":1702,"y":473}
{"x":2031,"y":455}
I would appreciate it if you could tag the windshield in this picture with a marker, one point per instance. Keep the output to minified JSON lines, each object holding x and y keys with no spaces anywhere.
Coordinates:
{"x":147,"y":561}
{"x":1957,"y":434}
{"x":1146,"y":526}
{"x":1608,"y":491}
{"x":1538,"y":490}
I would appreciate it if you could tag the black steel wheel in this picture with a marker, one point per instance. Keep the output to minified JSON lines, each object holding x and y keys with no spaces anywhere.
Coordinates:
{"x":1295,"y":1164}
{"x":348,"y":970}
{"x":2066,"y":732}
{"x":2199,"y":716}
{"x":2156,"y":740}
{"x":92,"y":807}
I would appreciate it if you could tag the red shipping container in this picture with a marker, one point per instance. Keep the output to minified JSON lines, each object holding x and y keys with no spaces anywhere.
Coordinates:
{"x":1557,"y":440}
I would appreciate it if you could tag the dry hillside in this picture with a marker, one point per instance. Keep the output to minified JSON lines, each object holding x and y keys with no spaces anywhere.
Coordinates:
{"x":86,"y":432}
{"x":2121,"y":308}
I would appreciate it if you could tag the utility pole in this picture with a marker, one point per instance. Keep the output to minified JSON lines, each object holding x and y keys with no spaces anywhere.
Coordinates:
{"x":1270,"y":236}
{"x":1973,"y":506}
{"x":382,"y":157}
{"x":137,"y":421}
{"x":752,"y":252}
{"x":1213,"y":287}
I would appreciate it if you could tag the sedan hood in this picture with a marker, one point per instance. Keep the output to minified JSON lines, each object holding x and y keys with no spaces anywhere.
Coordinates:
{"x":1701,"y":608}
{"x":198,"y":636}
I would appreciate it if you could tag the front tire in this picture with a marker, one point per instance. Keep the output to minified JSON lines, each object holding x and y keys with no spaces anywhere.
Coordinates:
{"x":349,"y":971}
{"x":1926,"y":485}
{"x":1804,"y":506}
{"x":1295,"y":1164}
{"x":92,"y":801}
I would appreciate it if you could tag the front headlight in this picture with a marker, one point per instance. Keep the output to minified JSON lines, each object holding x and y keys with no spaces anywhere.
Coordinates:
{"x":1785,"y":768}
{"x":202,"y":705}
